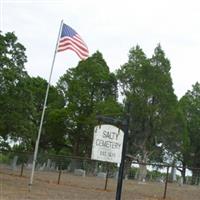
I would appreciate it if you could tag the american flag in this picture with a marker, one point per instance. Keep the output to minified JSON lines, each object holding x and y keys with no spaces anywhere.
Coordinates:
{"x":70,"y":39}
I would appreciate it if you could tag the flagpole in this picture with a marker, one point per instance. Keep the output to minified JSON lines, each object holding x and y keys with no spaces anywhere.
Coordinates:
{"x":43,"y":111}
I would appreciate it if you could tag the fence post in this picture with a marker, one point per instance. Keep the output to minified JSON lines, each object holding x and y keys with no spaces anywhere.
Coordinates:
{"x":166,"y":181}
{"x":22,"y":169}
{"x":59,"y":175}
{"x":105,"y":188}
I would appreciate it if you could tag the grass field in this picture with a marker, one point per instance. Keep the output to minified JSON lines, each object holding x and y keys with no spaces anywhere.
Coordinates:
{"x":45,"y":187}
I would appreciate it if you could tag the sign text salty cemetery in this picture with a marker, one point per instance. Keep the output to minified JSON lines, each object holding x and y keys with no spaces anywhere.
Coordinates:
{"x":107,"y":143}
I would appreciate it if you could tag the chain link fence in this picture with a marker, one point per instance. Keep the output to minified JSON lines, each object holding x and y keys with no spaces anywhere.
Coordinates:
{"x":146,"y":180}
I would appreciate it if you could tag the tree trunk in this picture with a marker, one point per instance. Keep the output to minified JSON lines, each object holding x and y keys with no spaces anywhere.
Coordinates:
{"x":142,"y":167}
{"x":142,"y":173}
{"x":127,"y":167}
{"x":173,"y":174}
{"x":195,"y":177}
{"x":76,"y":163}
{"x":76,"y":147}
{"x":183,"y":171}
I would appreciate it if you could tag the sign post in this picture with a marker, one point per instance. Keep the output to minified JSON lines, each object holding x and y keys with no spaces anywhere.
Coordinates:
{"x":121,"y":168}
{"x":109,"y":145}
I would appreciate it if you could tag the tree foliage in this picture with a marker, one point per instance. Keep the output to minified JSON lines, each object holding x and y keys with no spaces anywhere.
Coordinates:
{"x":190,"y":104}
{"x":14,"y":96}
{"x":147,"y":85}
{"x":21,"y":97}
{"x":88,"y":87}
{"x":158,"y":122}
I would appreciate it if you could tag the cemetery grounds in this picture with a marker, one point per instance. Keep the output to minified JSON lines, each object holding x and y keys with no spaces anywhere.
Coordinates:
{"x":13,"y":186}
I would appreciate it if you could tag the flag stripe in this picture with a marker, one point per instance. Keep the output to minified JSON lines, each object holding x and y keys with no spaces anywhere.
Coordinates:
{"x":64,"y":41}
{"x":77,"y":52}
{"x":71,"y":40}
{"x":69,"y":43}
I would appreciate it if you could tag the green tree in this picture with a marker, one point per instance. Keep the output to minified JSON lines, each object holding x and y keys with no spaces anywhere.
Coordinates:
{"x":15,"y":99}
{"x":147,"y":85}
{"x":22,"y":98}
{"x":87,"y":88}
{"x":50,"y":136}
{"x":190,"y":104}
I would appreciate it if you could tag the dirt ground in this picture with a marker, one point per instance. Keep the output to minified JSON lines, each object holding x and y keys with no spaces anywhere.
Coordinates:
{"x":46,"y":187}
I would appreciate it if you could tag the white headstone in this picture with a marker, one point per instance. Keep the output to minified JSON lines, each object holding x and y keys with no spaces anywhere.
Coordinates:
{"x":101,"y":175}
{"x":79,"y":172}
{"x":173,"y":174}
{"x":42,"y":167}
{"x":14,"y":163}
{"x":53,"y":166}
{"x":48,"y":164}
{"x":180,"y":181}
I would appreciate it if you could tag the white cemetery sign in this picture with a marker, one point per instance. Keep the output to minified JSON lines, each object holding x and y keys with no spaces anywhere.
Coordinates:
{"x":107,"y":143}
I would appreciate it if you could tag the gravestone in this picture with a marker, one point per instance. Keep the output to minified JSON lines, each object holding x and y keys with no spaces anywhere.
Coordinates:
{"x":95,"y":168}
{"x":101,"y":175}
{"x":142,"y":173}
{"x":79,"y":172}
{"x":75,"y":164}
{"x":29,"y":166}
{"x":30,"y":162}
{"x":142,"y":182}
{"x":48,"y":164}
{"x":14,"y":162}
{"x":42,"y":167}
{"x":180,"y":181}
{"x":53,"y":166}
{"x":160,"y":180}
{"x":173,"y":175}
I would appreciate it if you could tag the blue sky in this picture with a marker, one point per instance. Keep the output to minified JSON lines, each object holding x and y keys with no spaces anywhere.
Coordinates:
{"x":110,"y":26}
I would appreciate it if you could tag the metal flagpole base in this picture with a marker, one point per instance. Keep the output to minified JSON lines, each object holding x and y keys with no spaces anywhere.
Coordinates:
{"x":29,"y":187}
